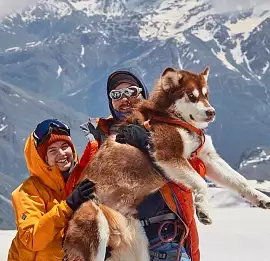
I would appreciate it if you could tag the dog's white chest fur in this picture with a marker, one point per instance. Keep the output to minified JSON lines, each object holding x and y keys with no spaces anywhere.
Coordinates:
{"x":191,"y":142}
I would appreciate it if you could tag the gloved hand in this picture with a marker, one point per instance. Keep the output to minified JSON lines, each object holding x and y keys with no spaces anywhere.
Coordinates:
{"x":134,"y":135}
{"x":82,"y":193}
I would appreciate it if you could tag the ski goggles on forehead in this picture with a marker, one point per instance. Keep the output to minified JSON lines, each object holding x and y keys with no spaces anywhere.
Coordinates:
{"x":132,"y":91}
{"x":45,"y":128}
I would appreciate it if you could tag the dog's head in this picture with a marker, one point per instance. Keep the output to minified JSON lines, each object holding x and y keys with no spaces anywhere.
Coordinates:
{"x":188,"y":95}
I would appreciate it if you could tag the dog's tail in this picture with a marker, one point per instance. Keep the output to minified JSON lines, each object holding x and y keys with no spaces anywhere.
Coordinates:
{"x":87,"y":235}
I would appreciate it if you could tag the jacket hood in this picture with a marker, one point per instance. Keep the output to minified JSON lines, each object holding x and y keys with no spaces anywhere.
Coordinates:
{"x":131,"y":77}
{"x":51,"y":176}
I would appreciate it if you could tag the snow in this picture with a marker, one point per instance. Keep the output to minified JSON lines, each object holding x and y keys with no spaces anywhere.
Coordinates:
{"x":6,"y":237}
{"x":265,"y":68}
{"x":203,"y":34}
{"x":3,"y":126}
{"x":263,"y":156}
{"x":40,"y":101}
{"x":237,"y":53}
{"x":82,"y":51}
{"x":222,"y":57}
{"x":88,"y":7}
{"x":33,"y":44}
{"x":238,"y":233}
{"x":13,"y":49}
{"x":245,"y":78}
{"x":74,"y":93}
{"x":59,"y":71}
{"x":247,"y":25}
{"x":169,"y":22}
{"x":6,"y":199}
{"x":15,"y":95}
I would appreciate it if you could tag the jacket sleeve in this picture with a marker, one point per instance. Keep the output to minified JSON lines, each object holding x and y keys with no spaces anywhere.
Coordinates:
{"x":89,"y":152}
{"x":36,"y":227}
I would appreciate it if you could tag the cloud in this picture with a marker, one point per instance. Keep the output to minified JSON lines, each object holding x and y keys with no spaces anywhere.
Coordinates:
{"x":10,"y":6}
{"x":236,"y":5}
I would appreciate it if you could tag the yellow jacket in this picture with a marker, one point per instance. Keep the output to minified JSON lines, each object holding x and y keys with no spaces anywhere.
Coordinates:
{"x":41,"y":211}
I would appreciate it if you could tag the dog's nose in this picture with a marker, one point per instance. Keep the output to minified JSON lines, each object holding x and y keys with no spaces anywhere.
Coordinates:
{"x":210,"y":113}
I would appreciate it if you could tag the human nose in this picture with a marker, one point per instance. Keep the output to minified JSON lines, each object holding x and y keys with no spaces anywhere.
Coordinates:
{"x":125,"y":98}
{"x":61,"y":152}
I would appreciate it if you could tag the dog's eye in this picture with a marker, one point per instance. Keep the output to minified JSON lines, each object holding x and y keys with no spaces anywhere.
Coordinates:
{"x":192,"y":97}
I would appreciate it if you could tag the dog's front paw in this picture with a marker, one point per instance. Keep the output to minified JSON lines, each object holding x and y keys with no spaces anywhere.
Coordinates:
{"x":203,"y":217}
{"x":264,"y":204}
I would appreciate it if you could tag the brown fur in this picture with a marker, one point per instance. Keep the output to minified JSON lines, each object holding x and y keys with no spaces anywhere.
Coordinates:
{"x":79,"y":244}
{"x":124,"y":176}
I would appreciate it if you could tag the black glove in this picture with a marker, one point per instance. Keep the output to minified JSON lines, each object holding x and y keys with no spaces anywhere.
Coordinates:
{"x":82,"y":193}
{"x":134,"y":135}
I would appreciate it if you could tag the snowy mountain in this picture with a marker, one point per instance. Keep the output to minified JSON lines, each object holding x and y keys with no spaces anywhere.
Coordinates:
{"x":65,"y":50}
{"x":55,"y":57}
{"x":255,"y":163}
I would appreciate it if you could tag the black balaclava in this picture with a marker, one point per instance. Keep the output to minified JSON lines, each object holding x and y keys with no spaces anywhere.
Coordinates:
{"x":123,"y":76}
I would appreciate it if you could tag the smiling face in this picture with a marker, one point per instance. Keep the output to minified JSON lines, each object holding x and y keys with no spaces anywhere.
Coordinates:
{"x":60,"y":154}
{"x":125,"y":104}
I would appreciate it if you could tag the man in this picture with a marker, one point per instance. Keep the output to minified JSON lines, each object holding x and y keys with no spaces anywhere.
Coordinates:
{"x":167,"y":215}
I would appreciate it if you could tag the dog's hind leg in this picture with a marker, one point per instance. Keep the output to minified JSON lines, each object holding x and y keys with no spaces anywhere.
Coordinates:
{"x":221,"y":173}
{"x":87,"y":235}
{"x":180,"y":171}
{"x":127,"y":237}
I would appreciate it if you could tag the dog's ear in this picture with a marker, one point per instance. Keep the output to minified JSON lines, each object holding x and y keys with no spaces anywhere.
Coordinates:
{"x":169,"y":77}
{"x":167,"y":70}
{"x":205,"y":73}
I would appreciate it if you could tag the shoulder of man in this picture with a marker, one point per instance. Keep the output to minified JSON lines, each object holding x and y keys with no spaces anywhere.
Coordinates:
{"x":97,"y":128}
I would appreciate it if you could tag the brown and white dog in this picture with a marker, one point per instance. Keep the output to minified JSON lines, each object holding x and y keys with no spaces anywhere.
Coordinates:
{"x":124,"y":176}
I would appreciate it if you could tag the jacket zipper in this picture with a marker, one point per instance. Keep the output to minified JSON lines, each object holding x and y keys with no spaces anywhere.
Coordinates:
{"x":35,"y":256}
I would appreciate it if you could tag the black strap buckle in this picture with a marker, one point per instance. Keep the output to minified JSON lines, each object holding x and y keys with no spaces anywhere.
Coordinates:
{"x":159,"y":255}
{"x":145,"y":222}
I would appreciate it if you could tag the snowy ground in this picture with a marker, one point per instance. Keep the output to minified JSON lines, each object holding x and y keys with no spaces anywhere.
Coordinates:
{"x":238,"y":232}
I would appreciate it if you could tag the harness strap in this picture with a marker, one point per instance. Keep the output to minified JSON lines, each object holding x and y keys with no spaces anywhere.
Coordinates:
{"x":159,"y":255}
{"x":199,"y":132}
{"x":152,"y":220}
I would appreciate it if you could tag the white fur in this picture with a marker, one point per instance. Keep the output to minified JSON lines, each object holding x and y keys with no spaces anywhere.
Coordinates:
{"x":204,"y":90}
{"x":104,"y":233}
{"x":219,"y":171}
{"x":180,"y":171}
{"x":183,"y":173}
{"x":134,"y":246}
{"x":185,"y":108}
{"x":191,"y":141}
{"x":196,"y":93}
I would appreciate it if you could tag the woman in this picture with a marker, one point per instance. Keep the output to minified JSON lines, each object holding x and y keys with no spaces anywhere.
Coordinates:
{"x":41,"y":203}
